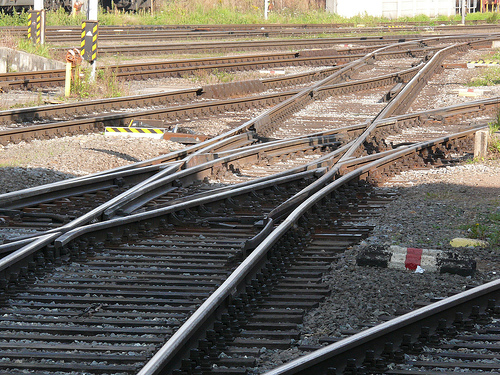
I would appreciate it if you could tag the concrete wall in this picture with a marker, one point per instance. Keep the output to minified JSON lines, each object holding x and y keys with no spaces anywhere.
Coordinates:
{"x":17,"y":61}
{"x":391,"y":8}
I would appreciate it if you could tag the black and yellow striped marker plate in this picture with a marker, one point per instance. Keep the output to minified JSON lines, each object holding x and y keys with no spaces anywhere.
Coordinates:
{"x":473,"y":64}
{"x":134,"y":132}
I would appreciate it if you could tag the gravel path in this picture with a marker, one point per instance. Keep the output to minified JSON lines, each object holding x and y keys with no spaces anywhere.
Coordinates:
{"x":40,"y":162}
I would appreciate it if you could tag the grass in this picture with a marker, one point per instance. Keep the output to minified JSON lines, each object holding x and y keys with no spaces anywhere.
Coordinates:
{"x":487,"y":229}
{"x":12,"y":41}
{"x":206,"y":12}
{"x":494,"y":143}
{"x":105,"y":85}
{"x":489,"y":76}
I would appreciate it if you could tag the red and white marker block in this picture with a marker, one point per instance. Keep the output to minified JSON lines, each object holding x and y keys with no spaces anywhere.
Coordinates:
{"x":416,"y":260}
{"x":410,"y":258}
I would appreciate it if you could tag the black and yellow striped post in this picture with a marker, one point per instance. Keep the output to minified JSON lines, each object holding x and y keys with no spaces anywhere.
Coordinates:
{"x":89,"y":40}
{"x":36,"y":26}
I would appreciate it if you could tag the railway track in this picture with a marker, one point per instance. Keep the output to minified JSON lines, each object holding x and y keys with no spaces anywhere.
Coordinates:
{"x":140,"y":71}
{"x":90,"y":124}
{"x":55,"y":34}
{"x":229,"y":46}
{"x":235,"y":243}
{"x":457,"y":334}
{"x":331,"y":56}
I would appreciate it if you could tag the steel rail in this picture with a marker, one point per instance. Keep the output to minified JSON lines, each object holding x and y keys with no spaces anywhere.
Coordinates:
{"x":29,"y":80}
{"x":165,"y":64}
{"x":210,"y":32}
{"x":247,"y":124}
{"x":337,"y":354}
{"x":155,"y":189}
{"x":80,"y":231}
{"x":180,"y":110}
{"x":396,"y":106}
{"x":11,"y":264}
{"x":153,"y":186}
{"x":177,"y":346}
{"x":405,"y":97}
{"x":182,"y":95}
{"x":61,"y":33}
{"x":321,"y":165}
{"x":76,"y":186}
{"x":63,"y":110}
{"x":317,"y":166}
{"x":158,"y":178}
{"x":328,"y":80}
{"x":16,"y":199}
{"x":275,"y":44}
{"x":122,"y":119}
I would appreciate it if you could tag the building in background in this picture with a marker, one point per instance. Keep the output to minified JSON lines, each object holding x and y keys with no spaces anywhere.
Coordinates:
{"x":402,"y":8}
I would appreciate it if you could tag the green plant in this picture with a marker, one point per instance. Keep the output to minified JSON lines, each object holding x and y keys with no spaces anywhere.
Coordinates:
{"x":477,"y":231}
{"x":492,"y":17}
{"x":489,"y":77}
{"x":486,"y":228}
{"x":35,"y":49}
{"x":103,"y":85}
{"x":223,"y":76}
{"x":494,"y":126}
{"x":15,"y":19}
{"x":175,"y":12}
{"x":494,"y":142}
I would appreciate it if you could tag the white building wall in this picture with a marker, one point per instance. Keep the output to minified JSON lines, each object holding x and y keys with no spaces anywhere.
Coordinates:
{"x":391,"y":8}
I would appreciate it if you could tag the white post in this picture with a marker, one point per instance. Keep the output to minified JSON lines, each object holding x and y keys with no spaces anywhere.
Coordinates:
{"x":463,"y":11}
{"x":266,"y":8}
{"x":93,"y":7}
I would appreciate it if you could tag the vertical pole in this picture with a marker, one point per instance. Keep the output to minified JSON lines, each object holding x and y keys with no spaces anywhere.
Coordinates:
{"x":67,"y":82}
{"x":38,"y":17}
{"x":93,"y":7}
{"x":266,"y":8}
{"x":38,"y":5}
{"x":463,"y":11}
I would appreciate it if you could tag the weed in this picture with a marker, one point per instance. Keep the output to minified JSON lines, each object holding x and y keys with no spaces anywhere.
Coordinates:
{"x":203,"y":76}
{"x":477,"y":231}
{"x":430,"y":195}
{"x":222,"y":76}
{"x":489,"y":77}
{"x":175,"y":12}
{"x":16,"y":19}
{"x":486,"y":228}
{"x":494,"y":142}
{"x":492,"y":17}
{"x":105,"y":85}
{"x":474,"y":160}
{"x":495,"y":125}
{"x":35,"y":49}
{"x":494,"y":145}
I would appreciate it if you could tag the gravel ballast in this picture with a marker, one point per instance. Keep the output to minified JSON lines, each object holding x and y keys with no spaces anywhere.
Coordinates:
{"x":432,"y":207}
